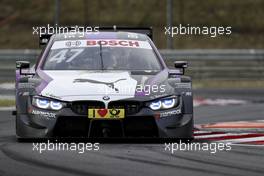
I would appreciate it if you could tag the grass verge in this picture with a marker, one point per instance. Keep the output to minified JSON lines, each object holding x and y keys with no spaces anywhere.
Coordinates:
{"x":6,"y":102}
{"x":229,"y":84}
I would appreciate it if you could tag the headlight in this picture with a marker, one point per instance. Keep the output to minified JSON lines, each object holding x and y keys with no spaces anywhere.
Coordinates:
{"x":42,"y":103}
{"x":55,"y":105}
{"x":165,"y":103}
{"x":168,"y":103}
{"x":45,"y":103}
{"x":155,"y":105}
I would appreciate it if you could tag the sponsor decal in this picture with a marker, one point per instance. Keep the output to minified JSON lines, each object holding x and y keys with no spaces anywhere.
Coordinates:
{"x":104,"y":42}
{"x":44,"y":114}
{"x":170,"y":113}
{"x":73,"y":43}
{"x":74,"y":85}
{"x":122,"y":43}
{"x":106,"y":113}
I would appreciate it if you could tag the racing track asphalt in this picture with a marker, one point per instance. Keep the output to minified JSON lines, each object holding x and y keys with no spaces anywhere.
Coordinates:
{"x":136,"y":159}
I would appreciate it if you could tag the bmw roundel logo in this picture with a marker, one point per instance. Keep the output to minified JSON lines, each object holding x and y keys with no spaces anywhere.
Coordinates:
{"x":106,"y":98}
{"x":73,"y":43}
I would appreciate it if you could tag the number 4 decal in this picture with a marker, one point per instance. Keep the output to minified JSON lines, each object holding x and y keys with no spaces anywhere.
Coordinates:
{"x":61,"y":56}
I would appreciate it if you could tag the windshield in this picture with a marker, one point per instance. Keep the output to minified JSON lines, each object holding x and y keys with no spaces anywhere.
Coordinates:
{"x":102,"y":55}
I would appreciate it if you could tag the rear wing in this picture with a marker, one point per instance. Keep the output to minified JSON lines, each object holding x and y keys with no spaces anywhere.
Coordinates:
{"x":44,"y":38}
{"x":141,"y":30}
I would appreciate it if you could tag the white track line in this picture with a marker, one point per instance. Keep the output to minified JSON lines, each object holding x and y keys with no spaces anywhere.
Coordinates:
{"x":202,"y":132}
{"x":11,"y":108}
{"x":249,"y":139}
{"x":247,"y":145}
{"x":219,"y":135}
{"x":8,"y":86}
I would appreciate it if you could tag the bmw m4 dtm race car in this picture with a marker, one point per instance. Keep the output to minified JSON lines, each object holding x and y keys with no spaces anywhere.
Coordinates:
{"x":113,"y":83}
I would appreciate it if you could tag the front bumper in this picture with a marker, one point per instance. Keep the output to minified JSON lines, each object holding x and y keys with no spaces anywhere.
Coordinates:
{"x":39,"y":123}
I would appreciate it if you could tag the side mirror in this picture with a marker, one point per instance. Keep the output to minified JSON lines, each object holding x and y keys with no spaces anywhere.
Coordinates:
{"x":23,"y":65}
{"x":181,"y":65}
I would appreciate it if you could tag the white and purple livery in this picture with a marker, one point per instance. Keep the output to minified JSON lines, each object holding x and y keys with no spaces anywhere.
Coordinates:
{"x":104,"y":84}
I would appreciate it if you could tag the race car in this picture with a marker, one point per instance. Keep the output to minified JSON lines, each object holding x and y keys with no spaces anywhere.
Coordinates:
{"x":111,"y":83}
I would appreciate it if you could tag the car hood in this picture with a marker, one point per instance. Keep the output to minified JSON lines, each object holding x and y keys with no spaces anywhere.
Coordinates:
{"x":99,"y":85}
